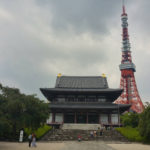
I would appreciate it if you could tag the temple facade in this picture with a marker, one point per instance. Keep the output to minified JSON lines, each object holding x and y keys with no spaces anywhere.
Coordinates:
{"x":83,"y":99}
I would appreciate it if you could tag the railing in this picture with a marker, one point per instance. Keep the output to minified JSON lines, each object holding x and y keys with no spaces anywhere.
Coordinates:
{"x":76,"y":102}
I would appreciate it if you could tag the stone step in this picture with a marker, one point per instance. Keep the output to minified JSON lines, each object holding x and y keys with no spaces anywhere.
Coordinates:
{"x":67,"y":135}
{"x":80,"y":126}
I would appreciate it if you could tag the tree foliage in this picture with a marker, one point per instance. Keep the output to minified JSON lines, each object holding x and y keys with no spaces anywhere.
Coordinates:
{"x":19,"y":111}
{"x":144,"y":123}
{"x":130,"y":119}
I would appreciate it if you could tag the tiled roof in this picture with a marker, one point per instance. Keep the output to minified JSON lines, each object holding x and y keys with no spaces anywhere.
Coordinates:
{"x":81,"y":82}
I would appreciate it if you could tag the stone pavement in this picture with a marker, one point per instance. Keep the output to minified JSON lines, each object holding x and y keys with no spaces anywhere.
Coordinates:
{"x":131,"y":146}
{"x":73,"y":145}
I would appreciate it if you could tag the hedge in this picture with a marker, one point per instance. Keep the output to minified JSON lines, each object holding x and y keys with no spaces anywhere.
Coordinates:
{"x":132,"y":134}
{"x":39,"y":132}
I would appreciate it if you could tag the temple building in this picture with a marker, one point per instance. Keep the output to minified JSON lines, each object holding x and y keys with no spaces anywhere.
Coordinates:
{"x":85,"y":100}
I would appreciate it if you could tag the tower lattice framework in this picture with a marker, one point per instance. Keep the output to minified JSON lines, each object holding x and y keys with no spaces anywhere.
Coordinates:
{"x":130,"y":95}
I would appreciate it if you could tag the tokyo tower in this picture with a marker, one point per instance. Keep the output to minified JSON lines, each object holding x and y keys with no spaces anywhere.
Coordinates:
{"x":130,"y":94}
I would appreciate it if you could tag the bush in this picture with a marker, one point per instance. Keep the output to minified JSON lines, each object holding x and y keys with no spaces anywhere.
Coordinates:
{"x":132,"y":134}
{"x":39,"y":132}
{"x":130,"y":119}
{"x":144,"y":123}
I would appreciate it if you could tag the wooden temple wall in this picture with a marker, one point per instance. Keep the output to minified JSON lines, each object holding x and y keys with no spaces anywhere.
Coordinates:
{"x":105,"y":119}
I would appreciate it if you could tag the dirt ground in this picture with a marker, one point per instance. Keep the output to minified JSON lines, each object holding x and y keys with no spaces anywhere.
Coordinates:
{"x":73,"y":145}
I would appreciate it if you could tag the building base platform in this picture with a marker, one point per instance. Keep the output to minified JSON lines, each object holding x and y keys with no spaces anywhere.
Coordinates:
{"x":69,"y":126}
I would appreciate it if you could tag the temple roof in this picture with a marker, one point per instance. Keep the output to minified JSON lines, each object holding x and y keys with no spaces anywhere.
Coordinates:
{"x":111,"y":94}
{"x":101,"y":106}
{"x":84,"y":85}
{"x":81,"y":82}
{"x":77,"y":90}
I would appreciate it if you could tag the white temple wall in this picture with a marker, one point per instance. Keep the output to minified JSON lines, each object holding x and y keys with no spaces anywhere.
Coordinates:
{"x":49,"y":120}
{"x":59,"y":117}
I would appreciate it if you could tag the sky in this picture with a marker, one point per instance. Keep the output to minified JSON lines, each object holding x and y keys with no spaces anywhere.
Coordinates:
{"x":41,"y":38}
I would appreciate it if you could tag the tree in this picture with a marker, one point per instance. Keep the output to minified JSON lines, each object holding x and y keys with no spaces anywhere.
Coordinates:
{"x":36,"y":112}
{"x":144,"y":123}
{"x":19,"y":111}
{"x":130,"y":119}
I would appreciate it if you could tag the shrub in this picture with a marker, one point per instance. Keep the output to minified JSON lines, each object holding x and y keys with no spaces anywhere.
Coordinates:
{"x":130,"y":119}
{"x":131,"y":134}
{"x":39,"y":132}
{"x":144,"y":123}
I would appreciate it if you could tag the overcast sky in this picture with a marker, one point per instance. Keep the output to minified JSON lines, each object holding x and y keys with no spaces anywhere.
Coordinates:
{"x":41,"y":38}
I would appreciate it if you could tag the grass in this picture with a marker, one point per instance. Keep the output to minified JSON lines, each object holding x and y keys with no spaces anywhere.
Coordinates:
{"x":132,"y":134}
{"x":39,"y":132}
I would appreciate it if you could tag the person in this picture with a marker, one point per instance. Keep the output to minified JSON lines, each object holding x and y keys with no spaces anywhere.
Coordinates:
{"x":95,"y":133}
{"x":98,"y":131}
{"x":79,"y":137}
{"x":91,"y":134}
{"x":33,"y":140}
{"x":30,"y":139}
{"x":101,"y":130}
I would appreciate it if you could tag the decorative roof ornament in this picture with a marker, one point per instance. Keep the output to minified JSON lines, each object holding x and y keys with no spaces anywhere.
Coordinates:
{"x":103,"y":75}
{"x":59,"y":75}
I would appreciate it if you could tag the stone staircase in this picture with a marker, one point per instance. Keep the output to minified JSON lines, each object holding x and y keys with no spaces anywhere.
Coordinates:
{"x":79,"y":126}
{"x":72,"y":134}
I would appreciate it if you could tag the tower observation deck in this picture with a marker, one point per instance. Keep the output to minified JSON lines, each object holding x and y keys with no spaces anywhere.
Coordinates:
{"x":130,"y":94}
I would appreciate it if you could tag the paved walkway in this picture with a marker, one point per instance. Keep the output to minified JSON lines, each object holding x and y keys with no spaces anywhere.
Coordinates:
{"x":132,"y":146}
{"x":73,"y":145}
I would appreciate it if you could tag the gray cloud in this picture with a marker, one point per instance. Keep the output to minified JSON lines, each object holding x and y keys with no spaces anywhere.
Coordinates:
{"x":82,"y":16}
{"x":40,"y":38}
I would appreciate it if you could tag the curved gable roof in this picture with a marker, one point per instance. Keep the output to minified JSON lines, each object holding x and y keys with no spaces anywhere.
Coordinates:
{"x":81,"y":82}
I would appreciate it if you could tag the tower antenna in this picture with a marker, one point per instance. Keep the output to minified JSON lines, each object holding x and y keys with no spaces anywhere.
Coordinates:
{"x":123,"y":2}
{"x":123,"y":7}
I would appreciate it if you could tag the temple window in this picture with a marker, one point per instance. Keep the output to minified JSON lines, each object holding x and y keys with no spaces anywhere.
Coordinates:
{"x":61,"y":99}
{"x":91,"y":99}
{"x":114,"y":118}
{"x":81,"y":98}
{"x":104,"y":118}
{"x":71,"y":99}
{"x":101,"y":99}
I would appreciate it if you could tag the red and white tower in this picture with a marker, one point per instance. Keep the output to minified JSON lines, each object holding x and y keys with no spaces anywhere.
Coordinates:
{"x":130,"y":94}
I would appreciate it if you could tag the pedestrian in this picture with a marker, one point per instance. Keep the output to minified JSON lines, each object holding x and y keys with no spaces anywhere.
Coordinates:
{"x":101,"y":131}
{"x":33,"y":140}
{"x":98,"y":131}
{"x":79,"y":137}
{"x":95,"y":133}
{"x":91,"y":134}
{"x":30,"y":139}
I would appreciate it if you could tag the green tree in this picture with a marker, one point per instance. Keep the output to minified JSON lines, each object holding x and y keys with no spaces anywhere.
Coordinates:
{"x":144,"y":123}
{"x":130,"y":119}
{"x":35,"y":113}
{"x":19,"y":111}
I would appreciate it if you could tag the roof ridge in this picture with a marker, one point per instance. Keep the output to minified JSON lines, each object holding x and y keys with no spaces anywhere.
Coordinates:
{"x":81,"y":76}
